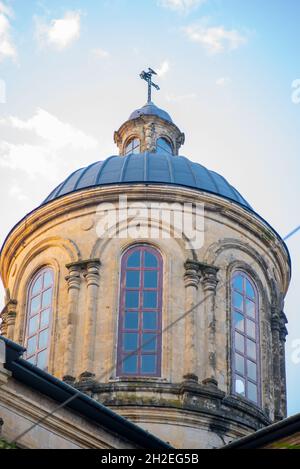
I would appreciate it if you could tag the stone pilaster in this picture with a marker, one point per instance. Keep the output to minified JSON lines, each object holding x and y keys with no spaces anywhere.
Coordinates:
{"x":8,"y":316}
{"x":92,"y":276}
{"x":74,"y":282}
{"x":191,"y":281}
{"x":275,"y":327}
{"x":209,"y":283}
{"x":282,"y":336}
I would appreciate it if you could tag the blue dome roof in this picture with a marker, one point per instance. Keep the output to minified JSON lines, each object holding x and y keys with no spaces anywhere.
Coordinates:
{"x":150,"y":109}
{"x":157,"y":168}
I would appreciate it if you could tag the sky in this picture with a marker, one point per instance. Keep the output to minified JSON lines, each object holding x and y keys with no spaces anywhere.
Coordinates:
{"x":229,"y":77}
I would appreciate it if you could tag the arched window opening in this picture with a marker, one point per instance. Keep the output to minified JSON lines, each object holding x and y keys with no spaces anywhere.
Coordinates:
{"x":133,"y":146}
{"x":164,"y":146}
{"x":245,"y":338}
{"x":140,"y":315}
{"x":39,"y":316}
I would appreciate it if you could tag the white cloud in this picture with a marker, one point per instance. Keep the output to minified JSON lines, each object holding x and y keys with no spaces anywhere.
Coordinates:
{"x":163,"y":69}
{"x":7,"y":47}
{"x":215,"y":39}
{"x":223,"y":81}
{"x":100,"y":53}
{"x":181,"y":6}
{"x":57,"y":134}
{"x":61,"y":32}
{"x":46,"y":155}
{"x":16,"y":192}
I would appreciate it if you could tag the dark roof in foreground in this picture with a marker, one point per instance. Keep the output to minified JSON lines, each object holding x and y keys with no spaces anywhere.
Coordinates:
{"x":156,"y":168}
{"x":268,"y":435}
{"x":59,"y":391}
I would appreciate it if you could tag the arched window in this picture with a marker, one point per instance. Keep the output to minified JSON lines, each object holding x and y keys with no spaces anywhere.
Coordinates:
{"x":133,"y":146}
{"x":164,"y":146}
{"x":140,"y":315}
{"x":39,"y":315}
{"x":245,"y":337}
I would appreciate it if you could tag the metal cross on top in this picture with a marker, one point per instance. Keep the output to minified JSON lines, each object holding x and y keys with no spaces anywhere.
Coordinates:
{"x":147,"y":76}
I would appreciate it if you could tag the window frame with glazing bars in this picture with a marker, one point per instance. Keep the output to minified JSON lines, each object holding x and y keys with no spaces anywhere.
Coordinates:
{"x":245,"y":355}
{"x":37,"y":315}
{"x":132,"y":316}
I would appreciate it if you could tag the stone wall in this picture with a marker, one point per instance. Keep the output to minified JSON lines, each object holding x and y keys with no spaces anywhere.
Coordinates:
{"x":196,"y":348}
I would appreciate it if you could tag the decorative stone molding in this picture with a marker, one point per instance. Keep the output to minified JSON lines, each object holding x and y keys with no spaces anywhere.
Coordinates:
{"x":191,"y":276}
{"x":209,"y":277}
{"x":8,"y":316}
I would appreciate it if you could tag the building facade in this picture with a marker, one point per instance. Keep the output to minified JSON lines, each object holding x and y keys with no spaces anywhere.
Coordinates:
{"x":182,"y":331}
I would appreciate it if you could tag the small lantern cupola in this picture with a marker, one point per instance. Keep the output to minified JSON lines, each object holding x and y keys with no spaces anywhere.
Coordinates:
{"x":149,"y":129}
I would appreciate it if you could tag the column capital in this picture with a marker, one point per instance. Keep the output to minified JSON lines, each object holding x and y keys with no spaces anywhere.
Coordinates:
{"x":74,"y":278}
{"x":92,"y":274}
{"x":191,"y":276}
{"x":8,"y":315}
{"x":209,"y":277}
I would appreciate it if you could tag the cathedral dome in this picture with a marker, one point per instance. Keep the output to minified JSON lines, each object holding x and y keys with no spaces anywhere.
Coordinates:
{"x":150,"y":109}
{"x":152,"y":168}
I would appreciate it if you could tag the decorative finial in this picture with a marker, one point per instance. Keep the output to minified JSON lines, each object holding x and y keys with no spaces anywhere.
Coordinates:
{"x":147,"y":76}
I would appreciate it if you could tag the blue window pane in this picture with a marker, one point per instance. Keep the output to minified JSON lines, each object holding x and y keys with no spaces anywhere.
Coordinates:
{"x":239,"y":322}
{"x":32,"y":360}
{"x":133,"y":146}
{"x":133,"y":279}
{"x":47,"y":297}
{"x":251,"y":329}
{"x":35,"y":305}
{"x":238,"y":283}
{"x":150,"y":299}
{"x":42,"y":360}
{"x":252,"y":392}
{"x":239,"y":342}
{"x":148,"y":363}
{"x":249,"y":290}
{"x":150,"y":321}
{"x":132,"y":299}
{"x":252,"y":370}
{"x":150,"y":260}
{"x":37,"y":286}
{"x":251,"y":349}
{"x":238,"y":301}
{"x":149,"y":342}
{"x":43,"y":339}
{"x":47,"y":279}
{"x":250,"y":308}
{"x":33,"y":325}
{"x":240,"y":364}
{"x":240,"y":387}
{"x":32,"y":345}
{"x":45,"y":317}
{"x":150,"y":279}
{"x":163,"y":146}
{"x":131,"y":320}
{"x":134,"y":260}
{"x":130,"y":342}
{"x":130,"y":364}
